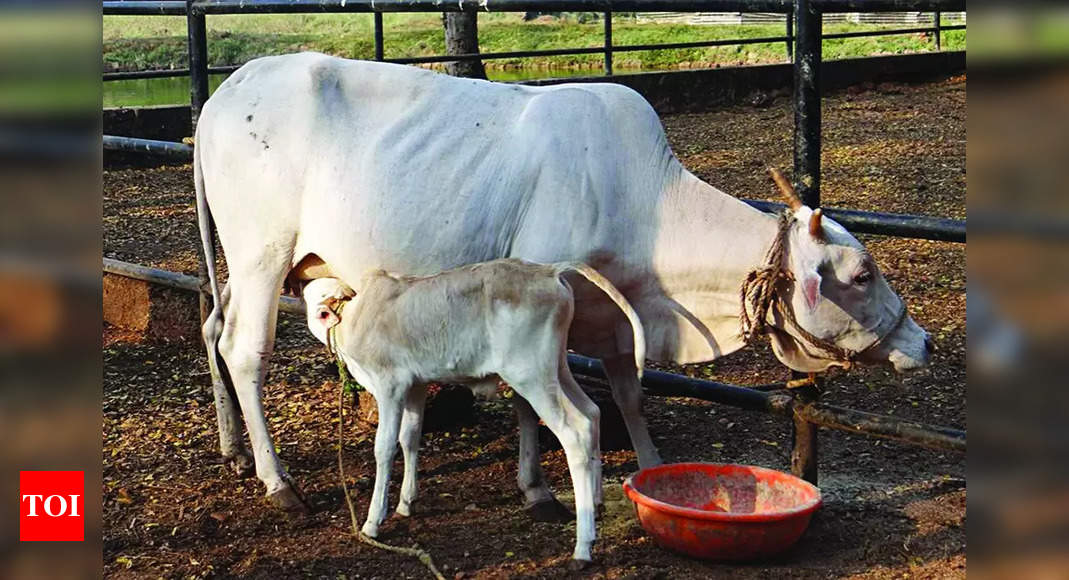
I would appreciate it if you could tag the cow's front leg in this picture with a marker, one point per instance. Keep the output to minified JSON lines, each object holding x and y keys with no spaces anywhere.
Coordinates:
{"x":538,"y":499}
{"x":246,"y":345}
{"x":411,"y":431}
{"x":389,"y":400}
{"x":627,"y":393}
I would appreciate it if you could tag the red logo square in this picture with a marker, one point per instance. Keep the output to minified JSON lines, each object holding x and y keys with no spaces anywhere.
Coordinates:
{"x":51,"y":506}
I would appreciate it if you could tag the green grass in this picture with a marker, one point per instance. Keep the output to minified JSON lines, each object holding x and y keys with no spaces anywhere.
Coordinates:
{"x":152,"y":42}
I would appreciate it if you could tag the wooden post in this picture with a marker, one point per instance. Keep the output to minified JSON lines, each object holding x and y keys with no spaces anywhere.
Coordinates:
{"x":804,"y":449}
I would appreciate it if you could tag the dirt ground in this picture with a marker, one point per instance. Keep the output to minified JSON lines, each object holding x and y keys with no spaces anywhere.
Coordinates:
{"x":173,"y":510}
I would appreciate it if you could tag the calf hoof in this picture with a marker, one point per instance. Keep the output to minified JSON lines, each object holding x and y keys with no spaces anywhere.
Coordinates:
{"x":241,"y":464}
{"x":369,"y":530}
{"x":579,"y":565}
{"x":550,"y":511}
{"x":288,"y":499}
{"x":404,"y":510}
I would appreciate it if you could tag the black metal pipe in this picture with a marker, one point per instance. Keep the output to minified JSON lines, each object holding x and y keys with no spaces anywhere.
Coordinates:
{"x":885,"y":224}
{"x":168,"y":73}
{"x":807,"y":57}
{"x":780,"y":6}
{"x":139,"y":8}
{"x":380,"y":45}
{"x":198,"y":63}
{"x":591,"y":50}
{"x":148,"y":146}
{"x":299,"y":6}
{"x":608,"y":44}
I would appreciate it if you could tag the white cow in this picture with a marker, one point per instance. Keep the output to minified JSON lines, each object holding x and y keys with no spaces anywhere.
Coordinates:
{"x":500,"y":320}
{"x":306,"y":160}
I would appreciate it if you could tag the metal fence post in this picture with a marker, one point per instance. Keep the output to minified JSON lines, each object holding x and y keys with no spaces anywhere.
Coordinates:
{"x":790,"y":36}
{"x":608,"y":44}
{"x":378,"y":36}
{"x":807,"y":57}
{"x":197,"y":36}
{"x":938,"y":30}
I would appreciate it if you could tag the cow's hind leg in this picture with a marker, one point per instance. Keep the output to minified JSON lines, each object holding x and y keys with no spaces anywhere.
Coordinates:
{"x":411,"y":431}
{"x":246,"y":344}
{"x":627,"y":392}
{"x":538,"y":499}
{"x":231,"y":443}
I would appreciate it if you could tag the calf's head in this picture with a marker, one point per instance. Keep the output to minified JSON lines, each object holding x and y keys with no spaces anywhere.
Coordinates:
{"x":323,"y":298}
{"x":839,"y":298}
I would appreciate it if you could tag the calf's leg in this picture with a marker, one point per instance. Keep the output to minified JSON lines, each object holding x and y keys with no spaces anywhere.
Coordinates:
{"x":578,"y":432}
{"x":389,"y":400}
{"x":411,"y":431}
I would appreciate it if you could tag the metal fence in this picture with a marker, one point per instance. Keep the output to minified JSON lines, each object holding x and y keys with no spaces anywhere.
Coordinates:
{"x":805,"y":15}
{"x":924,"y":23}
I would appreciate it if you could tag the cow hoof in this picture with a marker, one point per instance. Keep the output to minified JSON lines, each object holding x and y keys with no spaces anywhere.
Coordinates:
{"x":579,"y":565}
{"x":550,"y":511}
{"x":241,"y":464}
{"x":288,"y":500}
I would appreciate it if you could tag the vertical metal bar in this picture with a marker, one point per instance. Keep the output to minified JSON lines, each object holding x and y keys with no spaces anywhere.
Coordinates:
{"x":378,"y":36}
{"x":807,"y":57}
{"x":790,"y":36}
{"x":608,"y":44}
{"x":197,"y":36}
{"x":938,"y":30}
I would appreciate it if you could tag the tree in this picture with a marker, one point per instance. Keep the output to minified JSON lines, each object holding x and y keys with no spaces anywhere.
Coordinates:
{"x":462,"y":37}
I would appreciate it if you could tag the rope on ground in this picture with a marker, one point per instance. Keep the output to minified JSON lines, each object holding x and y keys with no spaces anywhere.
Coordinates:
{"x":422,"y":555}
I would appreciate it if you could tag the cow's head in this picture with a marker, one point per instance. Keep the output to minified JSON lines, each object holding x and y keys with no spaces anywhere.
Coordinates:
{"x":323,"y":298}
{"x":837,"y":294}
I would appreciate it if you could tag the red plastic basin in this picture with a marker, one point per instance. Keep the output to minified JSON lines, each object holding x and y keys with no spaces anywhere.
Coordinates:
{"x":721,"y":511}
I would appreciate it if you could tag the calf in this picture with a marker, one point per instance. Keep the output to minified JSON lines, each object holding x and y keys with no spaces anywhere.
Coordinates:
{"x":501,"y":320}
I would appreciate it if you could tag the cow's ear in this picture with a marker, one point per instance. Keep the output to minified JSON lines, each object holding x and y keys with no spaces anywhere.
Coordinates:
{"x":326,"y":318}
{"x":810,"y":284}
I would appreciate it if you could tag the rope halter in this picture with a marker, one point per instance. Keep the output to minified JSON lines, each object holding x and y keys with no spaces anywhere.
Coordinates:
{"x":764,"y":288}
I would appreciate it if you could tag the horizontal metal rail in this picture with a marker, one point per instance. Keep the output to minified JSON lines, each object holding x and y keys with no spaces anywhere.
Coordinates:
{"x":180,"y":281}
{"x":886,"y":224}
{"x":115,"y":7}
{"x":171,"y":73}
{"x":168,"y":149}
{"x":860,"y":222}
{"x":660,"y":383}
{"x":783,"y":404}
{"x":145,"y":8}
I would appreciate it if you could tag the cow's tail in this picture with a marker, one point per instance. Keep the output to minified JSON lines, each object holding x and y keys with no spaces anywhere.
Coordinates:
{"x":607,"y":287}
{"x":204,"y":222}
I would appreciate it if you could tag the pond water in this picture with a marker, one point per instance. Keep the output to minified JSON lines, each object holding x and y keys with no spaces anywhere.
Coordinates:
{"x":175,"y":91}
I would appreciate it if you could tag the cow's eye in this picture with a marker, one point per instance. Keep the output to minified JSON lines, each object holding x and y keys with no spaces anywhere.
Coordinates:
{"x":863,"y":278}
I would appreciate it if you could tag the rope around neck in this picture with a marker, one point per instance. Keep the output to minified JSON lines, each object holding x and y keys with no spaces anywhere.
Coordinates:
{"x":761,"y":292}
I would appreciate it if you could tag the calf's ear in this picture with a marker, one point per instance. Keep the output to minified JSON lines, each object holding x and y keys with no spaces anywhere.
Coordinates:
{"x":326,"y":318}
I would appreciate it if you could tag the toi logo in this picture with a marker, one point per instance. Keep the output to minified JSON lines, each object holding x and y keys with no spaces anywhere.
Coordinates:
{"x":51,"y":506}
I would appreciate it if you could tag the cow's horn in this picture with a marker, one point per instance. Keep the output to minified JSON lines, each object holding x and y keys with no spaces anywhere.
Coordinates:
{"x":815,"y":228}
{"x":785,"y":189}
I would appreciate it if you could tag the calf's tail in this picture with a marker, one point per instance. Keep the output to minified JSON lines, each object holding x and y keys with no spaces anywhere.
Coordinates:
{"x":607,"y":287}
{"x":204,"y":222}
